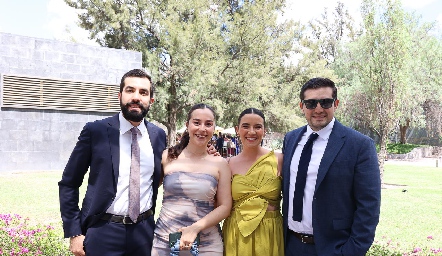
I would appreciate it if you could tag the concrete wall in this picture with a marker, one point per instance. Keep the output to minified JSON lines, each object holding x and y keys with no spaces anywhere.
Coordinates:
{"x":33,"y":140}
{"x":28,"y":56}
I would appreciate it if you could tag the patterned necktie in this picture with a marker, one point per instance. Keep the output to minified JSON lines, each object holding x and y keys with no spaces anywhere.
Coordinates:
{"x":301,"y":177}
{"x":134,"y":179}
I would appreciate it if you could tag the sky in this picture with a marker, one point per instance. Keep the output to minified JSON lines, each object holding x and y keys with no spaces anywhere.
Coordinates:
{"x":53,"y":19}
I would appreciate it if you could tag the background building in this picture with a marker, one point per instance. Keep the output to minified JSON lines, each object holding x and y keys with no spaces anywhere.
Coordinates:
{"x":48,"y":90}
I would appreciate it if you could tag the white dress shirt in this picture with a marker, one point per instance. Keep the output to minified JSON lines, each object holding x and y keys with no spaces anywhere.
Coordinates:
{"x":305,"y":226}
{"x":120,"y":204}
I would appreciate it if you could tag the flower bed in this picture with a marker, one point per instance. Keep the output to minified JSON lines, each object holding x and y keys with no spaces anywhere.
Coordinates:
{"x":18,"y":237}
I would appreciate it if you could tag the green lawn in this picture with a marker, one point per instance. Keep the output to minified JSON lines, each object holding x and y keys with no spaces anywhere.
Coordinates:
{"x":412,"y":211}
{"x":33,"y":195}
{"x":407,"y":218}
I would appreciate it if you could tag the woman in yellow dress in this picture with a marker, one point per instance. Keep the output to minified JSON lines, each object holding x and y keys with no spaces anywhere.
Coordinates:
{"x":254,"y":226}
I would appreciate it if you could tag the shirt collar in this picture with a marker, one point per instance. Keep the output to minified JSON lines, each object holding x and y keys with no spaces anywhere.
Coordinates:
{"x":125,"y":125}
{"x":324,"y":133}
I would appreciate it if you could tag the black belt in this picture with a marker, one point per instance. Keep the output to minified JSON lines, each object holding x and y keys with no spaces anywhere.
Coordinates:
{"x":305,"y":238}
{"x":126,"y":219}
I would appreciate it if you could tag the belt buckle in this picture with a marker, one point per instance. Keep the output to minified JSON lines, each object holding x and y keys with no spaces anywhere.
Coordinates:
{"x":128,"y":221}
{"x":302,"y":238}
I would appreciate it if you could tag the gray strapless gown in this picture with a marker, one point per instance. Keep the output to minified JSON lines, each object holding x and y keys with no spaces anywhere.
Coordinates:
{"x":187,"y":198}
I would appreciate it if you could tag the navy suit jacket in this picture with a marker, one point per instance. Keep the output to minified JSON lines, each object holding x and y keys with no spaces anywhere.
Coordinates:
{"x":346,"y":201}
{"x":98,"y":151}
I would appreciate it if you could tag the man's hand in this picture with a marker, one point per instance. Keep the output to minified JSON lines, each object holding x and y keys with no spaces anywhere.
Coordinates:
{"x":76,"y":245}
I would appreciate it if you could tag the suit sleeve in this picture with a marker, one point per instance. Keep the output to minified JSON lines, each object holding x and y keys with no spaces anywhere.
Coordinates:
{"x":71,"y":181}
{"x":367,"y":196}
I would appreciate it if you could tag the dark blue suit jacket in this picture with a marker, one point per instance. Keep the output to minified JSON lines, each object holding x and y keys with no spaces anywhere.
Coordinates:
{"x":98,"y":150}
{"x":346,"y":201}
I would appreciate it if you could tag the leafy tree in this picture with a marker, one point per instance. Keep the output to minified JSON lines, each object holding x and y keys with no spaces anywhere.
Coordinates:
{"x":427,"y":60}
{"x":430,"y":77}
{"x":225,"y":53}
{"x":255,"y":47}
{"x":379,"y":56}
{"x":424,"y":78}
{"x":330,"y":31}
{"x":315,"y":47}
{"x":379,"y":72}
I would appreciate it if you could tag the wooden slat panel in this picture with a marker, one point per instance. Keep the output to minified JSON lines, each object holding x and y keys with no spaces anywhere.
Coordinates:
{"x":43,"y":93}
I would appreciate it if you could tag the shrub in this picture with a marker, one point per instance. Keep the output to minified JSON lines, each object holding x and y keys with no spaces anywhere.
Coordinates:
{"x":380,"y":250}
{"x":388,"y":248}
{"x":397,"y":148}
{"x":18,"y":237}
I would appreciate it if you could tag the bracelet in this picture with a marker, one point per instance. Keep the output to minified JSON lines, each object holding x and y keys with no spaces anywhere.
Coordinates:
{"x":75,"y":236}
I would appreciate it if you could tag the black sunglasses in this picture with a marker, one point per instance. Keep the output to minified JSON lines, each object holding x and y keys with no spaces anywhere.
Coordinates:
{"x":325,"y":103}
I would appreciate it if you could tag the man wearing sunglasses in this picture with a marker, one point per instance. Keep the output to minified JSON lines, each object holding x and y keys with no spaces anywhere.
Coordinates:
{"x":331,"y":184}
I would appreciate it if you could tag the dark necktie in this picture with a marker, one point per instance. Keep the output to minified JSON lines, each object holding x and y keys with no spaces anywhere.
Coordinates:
{"x":301,"y":177}
{"x":134,"y":178}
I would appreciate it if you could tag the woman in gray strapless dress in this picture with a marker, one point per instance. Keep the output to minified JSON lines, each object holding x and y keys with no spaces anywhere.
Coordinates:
{"x":193,"y":181}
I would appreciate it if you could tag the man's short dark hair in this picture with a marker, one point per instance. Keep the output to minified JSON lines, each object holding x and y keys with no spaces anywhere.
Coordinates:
{"x":319,"y":82}
{"x":138,"y":73}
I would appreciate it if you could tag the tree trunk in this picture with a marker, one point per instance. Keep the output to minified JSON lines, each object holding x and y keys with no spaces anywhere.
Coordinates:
{"x":403,"y":131}
{"x":382,"y":155}
{"x":171,"y":136}
{"x":172,"y":112}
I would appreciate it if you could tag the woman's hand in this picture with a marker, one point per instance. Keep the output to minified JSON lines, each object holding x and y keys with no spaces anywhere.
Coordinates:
{"x":211,"y":150}
{"x":188,"y":236}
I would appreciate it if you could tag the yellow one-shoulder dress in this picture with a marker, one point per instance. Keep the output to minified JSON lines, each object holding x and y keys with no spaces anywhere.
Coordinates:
{"x":251,"y":229}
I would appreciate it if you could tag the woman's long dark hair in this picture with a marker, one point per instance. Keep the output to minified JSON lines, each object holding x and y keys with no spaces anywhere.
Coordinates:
{"x":174,"y":151}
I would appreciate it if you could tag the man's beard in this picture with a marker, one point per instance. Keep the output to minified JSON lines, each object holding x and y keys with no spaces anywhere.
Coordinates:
{"x":134,"y":116}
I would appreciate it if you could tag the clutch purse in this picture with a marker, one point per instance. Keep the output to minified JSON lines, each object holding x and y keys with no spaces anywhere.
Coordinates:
{"x":174,"y":237}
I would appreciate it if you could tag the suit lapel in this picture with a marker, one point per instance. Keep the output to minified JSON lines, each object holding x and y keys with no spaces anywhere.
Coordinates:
{"x":291,"y":147}
{"x":152,"y":134}
{"x":113,"y":131}
{"x":157,"y":151}
{"x":334,"y":145}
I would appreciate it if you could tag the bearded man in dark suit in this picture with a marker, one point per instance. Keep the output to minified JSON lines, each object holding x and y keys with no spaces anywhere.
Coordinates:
{"x":102,"y":225}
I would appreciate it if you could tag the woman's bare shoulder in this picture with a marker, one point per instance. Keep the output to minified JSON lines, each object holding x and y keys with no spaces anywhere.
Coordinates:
{"x":235,"y":159}
{"x":278,"y":154}
{"x":217,"y":159}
